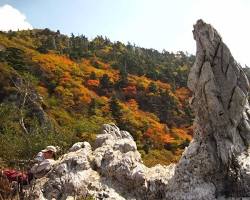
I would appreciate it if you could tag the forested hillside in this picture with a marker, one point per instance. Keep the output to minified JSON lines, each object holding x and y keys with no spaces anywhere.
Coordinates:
{"x":56,"y":89}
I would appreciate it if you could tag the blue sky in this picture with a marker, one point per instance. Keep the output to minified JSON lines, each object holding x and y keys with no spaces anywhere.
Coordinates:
{"x":158,"y":24}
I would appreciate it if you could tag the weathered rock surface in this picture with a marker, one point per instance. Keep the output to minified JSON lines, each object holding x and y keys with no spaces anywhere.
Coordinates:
{"x":113,"y":170}
{"x":216,"y":165}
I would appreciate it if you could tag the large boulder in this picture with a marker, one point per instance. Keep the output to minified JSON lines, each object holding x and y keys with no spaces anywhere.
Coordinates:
{"x":113,"y":170}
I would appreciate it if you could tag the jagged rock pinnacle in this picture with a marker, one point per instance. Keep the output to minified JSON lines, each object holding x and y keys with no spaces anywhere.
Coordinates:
{"x":220,"y":90}
{"x":211,"y":165}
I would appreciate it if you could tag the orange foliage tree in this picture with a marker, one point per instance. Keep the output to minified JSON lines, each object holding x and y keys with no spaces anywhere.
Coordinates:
{"x":130,"y":91}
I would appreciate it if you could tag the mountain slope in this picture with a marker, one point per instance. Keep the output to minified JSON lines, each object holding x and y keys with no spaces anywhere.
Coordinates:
{"x":57,"y":90}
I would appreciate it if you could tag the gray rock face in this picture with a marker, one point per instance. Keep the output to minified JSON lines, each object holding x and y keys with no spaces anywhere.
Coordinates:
{"x":216,"y":162}
{"x":220,"y":90}
{"x":114,"y":170}
{"x":216,"y":165}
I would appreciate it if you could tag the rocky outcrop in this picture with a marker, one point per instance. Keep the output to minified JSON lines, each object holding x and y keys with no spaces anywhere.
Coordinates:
{"x":216,"y":165}
{"x":113,"y":170}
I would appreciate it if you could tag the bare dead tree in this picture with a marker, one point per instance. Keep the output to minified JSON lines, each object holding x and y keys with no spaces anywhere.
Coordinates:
{"x":23,"y":91}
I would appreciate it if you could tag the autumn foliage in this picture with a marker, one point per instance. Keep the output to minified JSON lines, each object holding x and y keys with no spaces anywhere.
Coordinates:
{"x":88,"y":83}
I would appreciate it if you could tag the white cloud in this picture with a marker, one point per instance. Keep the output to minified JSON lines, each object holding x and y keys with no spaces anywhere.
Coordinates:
{"x":12,"y":19}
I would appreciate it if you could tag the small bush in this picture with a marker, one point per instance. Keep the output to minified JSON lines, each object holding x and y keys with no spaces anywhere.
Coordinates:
{"x":18,"y":145}
{"x":156,"y":156}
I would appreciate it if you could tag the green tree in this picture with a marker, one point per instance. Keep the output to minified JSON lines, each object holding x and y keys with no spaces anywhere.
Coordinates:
{"x":152,"y":87}
{"x":123,"y":79}
{"x":92,"y":76}
{"x":105,"y":82}
{"x":115,"y":108}
{"x":93,"y":107}
{"x":48,"y":44}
